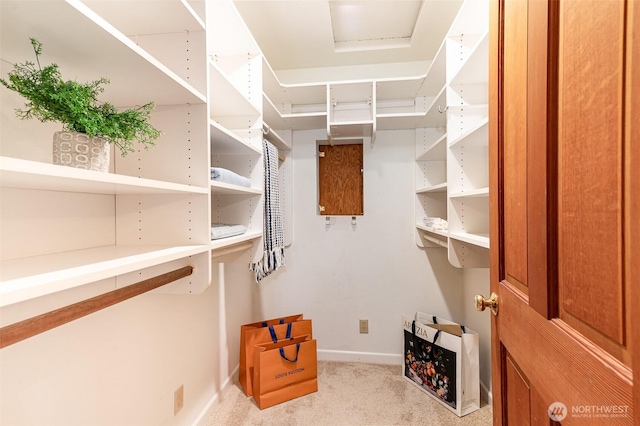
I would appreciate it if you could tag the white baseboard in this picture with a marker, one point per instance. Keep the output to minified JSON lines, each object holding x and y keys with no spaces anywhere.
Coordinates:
{"x":365,"y":357}
{"x":486,"y":394}
{"x":208,"y":409}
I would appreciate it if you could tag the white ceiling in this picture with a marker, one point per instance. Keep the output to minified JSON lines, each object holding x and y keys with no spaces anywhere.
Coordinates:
{"x":297,"y":34}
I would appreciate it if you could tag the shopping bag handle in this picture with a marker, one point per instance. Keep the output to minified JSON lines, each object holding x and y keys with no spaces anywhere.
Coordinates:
{"x":435,"y":321}
{"x":264,"y":323}
{"x":287,"y":359}
{"x":272,"y":331}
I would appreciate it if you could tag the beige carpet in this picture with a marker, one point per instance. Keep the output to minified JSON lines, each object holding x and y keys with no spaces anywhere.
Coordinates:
{"x":348,"y":394}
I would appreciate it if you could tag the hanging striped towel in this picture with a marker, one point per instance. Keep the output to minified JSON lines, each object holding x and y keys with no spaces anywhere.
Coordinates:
{"x":273,"y":236}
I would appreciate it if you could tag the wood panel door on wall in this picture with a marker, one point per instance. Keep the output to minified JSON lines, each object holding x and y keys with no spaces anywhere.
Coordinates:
{"x":341,"y":181}
{"x":565,"y":210}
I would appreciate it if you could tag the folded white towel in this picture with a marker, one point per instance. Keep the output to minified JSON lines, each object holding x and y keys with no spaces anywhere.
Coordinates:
{"x":436,"y":223}
{"x":223,"y":175}
{"x":222,"y":230}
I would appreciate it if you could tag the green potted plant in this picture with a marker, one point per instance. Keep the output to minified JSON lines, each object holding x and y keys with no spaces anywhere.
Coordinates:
{"x":89,"y":126}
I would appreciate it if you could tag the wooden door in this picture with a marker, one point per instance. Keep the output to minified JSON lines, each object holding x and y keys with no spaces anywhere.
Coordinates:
{"x":565,"y":210}
{"x":340,"y":176}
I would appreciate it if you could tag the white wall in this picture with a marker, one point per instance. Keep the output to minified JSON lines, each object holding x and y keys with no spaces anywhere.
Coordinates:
{"x":339,"y":274}
{"x":120,"y":366}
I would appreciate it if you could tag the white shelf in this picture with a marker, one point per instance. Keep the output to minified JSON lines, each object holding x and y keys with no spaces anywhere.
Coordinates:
{"x":480,"y":240}
{"x":230,"y":241}
{"x":406,"y":120}
{"x":354,"y":129}
{"x":436,"y":75}
{"x":25,"y":174}
{"x":226,"y":142}
{"x":80,"y":51}
{"x":225,"y":99}
{"x":480,"y":192}
{"x":405,"y":88}
{"x":477,"y":135}
{"x":31,"y":277}
{"x":291,"y":94}
{"x":223,"y":188}
{"x":442,"y":187}
{"x":435,"y":240}
{"x":436,"y":152}
{"x":440,"y":232}
{"x":475,"y":69}
{"x":227,"y":33}
{"x":307,"y":121}
{"x":148,"y":17}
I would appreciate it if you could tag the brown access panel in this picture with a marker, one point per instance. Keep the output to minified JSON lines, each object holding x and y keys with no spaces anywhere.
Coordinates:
{"x":340,"y":177}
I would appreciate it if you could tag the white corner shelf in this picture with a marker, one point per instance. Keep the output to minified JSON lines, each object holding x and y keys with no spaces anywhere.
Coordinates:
{"x":441,"y":187}
{"x":477,"y":135}
{"x":226,"y":100}
{"x":437,"y":151}
{"x":406,"y":120}
{"x":227,"y":142}
{"x":474,"y":70}
{"x":436,"y":237}
{"x":227,"y":33}
{"x":25,"y":174}
{"x":223,"y":188}
{"x":436,"y":76}
{"x":30,"y":277}
{"x":441,"y":232}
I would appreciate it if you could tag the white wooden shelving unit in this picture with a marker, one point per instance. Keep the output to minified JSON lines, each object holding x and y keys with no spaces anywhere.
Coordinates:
{"x":452,"y":172}
{"x":467,"y":130}
{"x":351,"y":110}
{"x":236,"y":125}
{"x":62,"y":227}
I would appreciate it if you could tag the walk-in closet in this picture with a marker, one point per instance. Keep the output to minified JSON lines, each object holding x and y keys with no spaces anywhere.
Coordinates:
{"x":122,"y":293}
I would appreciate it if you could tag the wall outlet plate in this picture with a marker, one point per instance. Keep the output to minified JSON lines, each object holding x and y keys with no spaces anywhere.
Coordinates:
{"x":364,"y":326}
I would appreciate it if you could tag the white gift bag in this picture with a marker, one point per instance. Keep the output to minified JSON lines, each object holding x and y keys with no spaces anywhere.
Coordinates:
{"x":441,"y":358}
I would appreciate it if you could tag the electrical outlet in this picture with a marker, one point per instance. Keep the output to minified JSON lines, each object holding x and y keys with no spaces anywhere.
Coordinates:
{"x":364,"y":326}
{"x":178,"y":399}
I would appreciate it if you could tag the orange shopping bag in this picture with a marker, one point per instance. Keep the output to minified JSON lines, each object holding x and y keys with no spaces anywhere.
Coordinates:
{"x":268,"y":331}
{"x":284,"y":370}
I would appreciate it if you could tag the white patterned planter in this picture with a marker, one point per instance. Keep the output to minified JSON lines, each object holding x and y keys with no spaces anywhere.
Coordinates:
{"x":78,"y":150}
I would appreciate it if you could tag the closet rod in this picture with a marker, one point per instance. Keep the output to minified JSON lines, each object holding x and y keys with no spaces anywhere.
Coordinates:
{"x":22,"y":330}
{"x":265,"y":131}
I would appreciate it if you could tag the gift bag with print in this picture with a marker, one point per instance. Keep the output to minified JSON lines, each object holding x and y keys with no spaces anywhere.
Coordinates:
{"x":441,"y":358}
{"x":284,"y":370}
{"x":267,"y":331}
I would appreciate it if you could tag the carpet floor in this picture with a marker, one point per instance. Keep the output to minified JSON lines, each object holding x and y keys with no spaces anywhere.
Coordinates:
{"x":349,"y":394}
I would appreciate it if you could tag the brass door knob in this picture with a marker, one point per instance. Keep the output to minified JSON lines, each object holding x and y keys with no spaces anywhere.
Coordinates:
{"x":482,"y":303}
